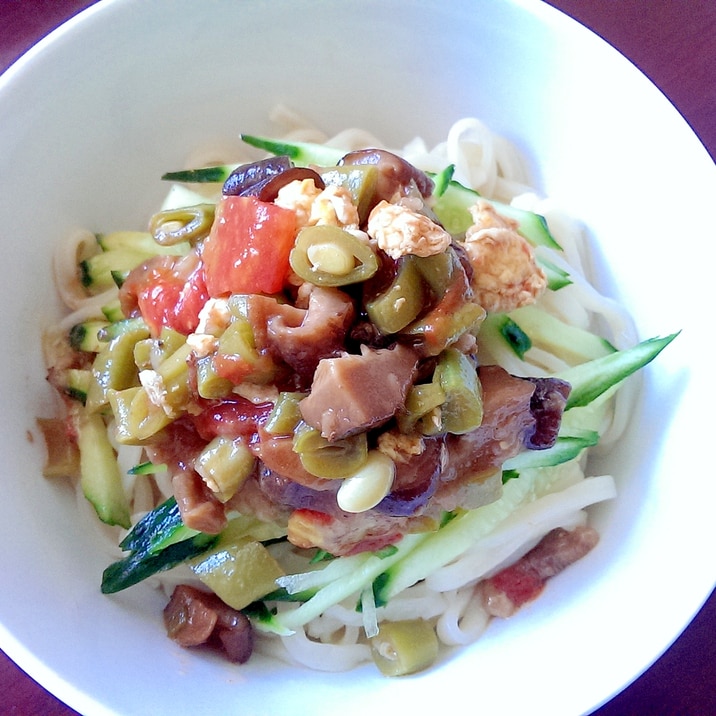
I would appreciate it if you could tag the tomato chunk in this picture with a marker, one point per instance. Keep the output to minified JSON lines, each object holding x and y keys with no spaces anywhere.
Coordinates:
{"x":248,"y":248}
{"x":231,"y":418}
{"x":166,"y":291}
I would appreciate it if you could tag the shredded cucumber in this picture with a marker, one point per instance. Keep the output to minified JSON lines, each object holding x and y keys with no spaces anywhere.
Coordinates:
{"x":590,"y":380}
{"x":567,"y":447}
{"x":352,"y":583}
{"x":453,"y":539}
{"x":300,"y":153}
{"x":205,"y":175}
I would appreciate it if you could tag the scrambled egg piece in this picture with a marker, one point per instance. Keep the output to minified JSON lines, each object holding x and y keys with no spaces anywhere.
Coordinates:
{"x":399,"y":230}
{"x":214,"y":318}
{"x":485,"y":216}
{"x":399,"y":447}
{"x":506,"y":274}
{"x":313,"y":206}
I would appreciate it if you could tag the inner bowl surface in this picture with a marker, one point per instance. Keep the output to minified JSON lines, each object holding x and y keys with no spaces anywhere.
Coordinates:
{"x":91,"y":118}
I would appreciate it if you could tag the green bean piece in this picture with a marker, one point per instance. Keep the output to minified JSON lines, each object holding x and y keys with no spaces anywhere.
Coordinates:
{"x":238,"y":340}
{"x":236,"y":346}
{"x":444,"y":324}
{"x":404,"y":647}
{"x":190,"y":223}
{"x":360,"y":182}
{"x":437,"y":270}
{"x":114,"y":368}
{"x":322,"y":458}
{"x":224,"y":465}
{"x":420,"y":409}
{"x":329,"y":256}
{"x":169,"y":341}
{"x":136,"y":417}
{"x":462,"y":410}
{"x":173,"y":380}
{"x":239,"y":573}
{"x":143,"y":353}
{"x":285,"y":415}
{"x":210,"y":385}
{"x":402,"y":302}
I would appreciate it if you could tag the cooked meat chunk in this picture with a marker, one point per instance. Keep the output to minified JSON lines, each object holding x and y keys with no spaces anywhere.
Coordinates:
{"x":505,"y":592}
{"x":353,"y":393}
{"x":193,"y":617}
{"x":547,"y":406}
{"x":303,"y":337}
{"x":200,"y":509}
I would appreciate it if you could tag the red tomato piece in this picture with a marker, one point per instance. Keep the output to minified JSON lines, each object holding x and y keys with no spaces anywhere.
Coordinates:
{"x":232,"y":367}
{"x":167,"y":291}
{"x":248,"y":247}
{"x":231,"y":418}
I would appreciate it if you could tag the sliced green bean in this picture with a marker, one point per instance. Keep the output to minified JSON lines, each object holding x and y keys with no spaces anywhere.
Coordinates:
{"x":420,"y":406}
{"x":322,"y":458}
{"x":285,"y":415}
{"x":462,"y":410}
{"x":225,"y":464}
{"x":404,"y":647}
{"x":329,"y":256}
{"x":209,"y":383}
{"x":114,"y":368}
{"x":190,"y":223}
{"x":359,"y":180}
{"x":402,"y":302}
{"x":136,"y":417}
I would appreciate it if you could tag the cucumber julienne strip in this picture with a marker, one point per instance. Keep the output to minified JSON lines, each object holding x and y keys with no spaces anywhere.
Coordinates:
{"x":590,"y":380}
{"x":566,"y":448}
{"x":159,"y":541}
{"x":353,"y":583}
{"x":452,"y":540}
{"x":302,"y":153}
{"x":205,"y":175}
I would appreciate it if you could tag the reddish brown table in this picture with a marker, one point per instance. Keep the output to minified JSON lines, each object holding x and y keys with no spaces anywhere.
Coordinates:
{"x":672,"y":42}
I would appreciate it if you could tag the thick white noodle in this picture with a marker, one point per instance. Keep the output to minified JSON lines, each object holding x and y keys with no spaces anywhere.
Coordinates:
{"x":464,"y":620}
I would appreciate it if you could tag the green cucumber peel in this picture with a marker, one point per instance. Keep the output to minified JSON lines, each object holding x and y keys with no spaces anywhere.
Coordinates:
{"x":442,"y":180}
{"x":147,"y":468}
{"x":206,"y":175}
{"x":556,"y":277}
{"x":159,"y":541}
{"x":138,"y":566}
{"x":566,"y":447}
{"x":592,"y":379}
{"x":510,"y":331}
{"x":301,"y":153}
{"x":264,"y":619}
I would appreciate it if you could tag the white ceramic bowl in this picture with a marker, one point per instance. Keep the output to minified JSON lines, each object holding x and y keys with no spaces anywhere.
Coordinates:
{"x":90,"y":119}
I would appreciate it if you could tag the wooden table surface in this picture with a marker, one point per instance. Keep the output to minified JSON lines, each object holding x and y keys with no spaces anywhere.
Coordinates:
{"x":673,"y":43}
